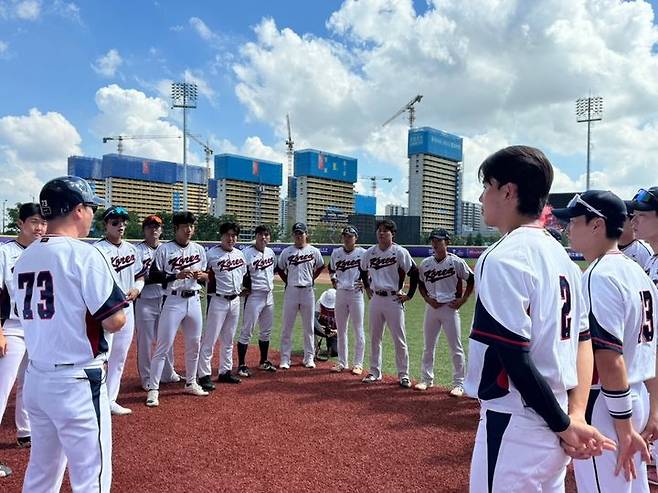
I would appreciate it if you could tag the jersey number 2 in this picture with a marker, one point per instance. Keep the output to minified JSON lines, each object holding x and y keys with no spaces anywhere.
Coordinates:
{"x":46,"y":306}
{"x":646,"y":334}
{"x":565,"y":293}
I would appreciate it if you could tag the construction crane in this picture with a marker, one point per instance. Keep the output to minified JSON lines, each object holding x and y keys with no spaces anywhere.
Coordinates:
{"x":291,"y":147}
{"x":407,"y":107}
{"x":206,"y":149}
{"x":374,"y":179}
{"x":121,"y":138}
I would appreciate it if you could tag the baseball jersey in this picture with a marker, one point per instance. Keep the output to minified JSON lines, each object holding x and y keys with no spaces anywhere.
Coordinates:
{"x":639,"y":251}
{"x":651,"y":268}
{"x":124,"y":260}
{"x":299,"y":264}
{"x":387,"y":268}
{"x":172,"y":258}
{"x":228,"y":268}
{"x":145,"y":254}
{"x":346,"y":266}
{"x":529,"y":298}
{"x":9,"y":253}
{"x":261,"y":267}
{"x":442,"y":279}
{"x":620,"y":302}
{"x":64,"y":290}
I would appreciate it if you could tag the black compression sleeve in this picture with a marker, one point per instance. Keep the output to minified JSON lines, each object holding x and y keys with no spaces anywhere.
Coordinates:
{"x":413,"y":281}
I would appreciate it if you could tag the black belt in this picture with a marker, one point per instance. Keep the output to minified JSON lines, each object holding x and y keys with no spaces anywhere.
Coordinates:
{"x":302,"y":287}
{"x":383,"y":292}
{"x":185,"y":293}
{"x":229,"y":297}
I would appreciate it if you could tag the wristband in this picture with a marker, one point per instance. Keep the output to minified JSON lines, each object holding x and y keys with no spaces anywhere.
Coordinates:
{"x":619,"y":402}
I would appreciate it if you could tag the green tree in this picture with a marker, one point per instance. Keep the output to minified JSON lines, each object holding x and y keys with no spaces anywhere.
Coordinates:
{"x":326,"y":233}
{"x":11,"y":227}
{"x":133,"y":226}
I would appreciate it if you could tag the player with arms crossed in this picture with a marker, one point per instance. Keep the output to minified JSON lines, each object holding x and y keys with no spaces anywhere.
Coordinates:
{"x":179,"y":265}
{"x":530,"y":357}
{"x":259,"y":303}
{"x":68,"y":304}
{"x":299,"y":265}
{"x":440,"y":285}
{"x":619,"y":299}
{"x":130,"y":276}
{"x":349,"y":281}
{"x":645,"y":224}
{"x":226,"y":268}
{"x":388,"y":264}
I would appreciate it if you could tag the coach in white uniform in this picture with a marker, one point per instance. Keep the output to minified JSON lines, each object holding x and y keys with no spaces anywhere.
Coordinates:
{"x":645,"y":224}
{"x":440,"y":285}
{"x":226,"y":268}
{"x":349,"y":280}
{"x":620,"y":299}
{"x":130,"y":273}
{"x":388,"y":264}
{"x":259,"y":303}
{"x":299,"y":265}
{"x":68,"y":304}
{"x":629,"y":245}
{"x":180,"y":265}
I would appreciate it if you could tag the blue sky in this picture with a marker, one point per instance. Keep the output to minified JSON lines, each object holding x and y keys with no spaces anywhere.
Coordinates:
{"x":364,"y":62}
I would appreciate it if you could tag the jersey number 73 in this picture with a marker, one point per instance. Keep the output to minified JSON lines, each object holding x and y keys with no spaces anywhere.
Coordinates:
{"x":46,"y":305}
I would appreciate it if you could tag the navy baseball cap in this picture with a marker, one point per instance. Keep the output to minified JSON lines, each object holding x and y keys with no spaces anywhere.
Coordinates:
{"x":629,"y":207}
{"x":299,"y":227}
{"x":115,"y":212}
{"x":350,"y":230}
{"x":61,"y":195}
{"x":646,"y":200}
{"x":601,"y":203}
{"x":439,"y":234}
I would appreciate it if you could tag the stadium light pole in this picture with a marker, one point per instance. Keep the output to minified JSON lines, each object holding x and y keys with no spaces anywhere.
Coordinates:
{"x":589,"y":110}
{"x":184,"y":95}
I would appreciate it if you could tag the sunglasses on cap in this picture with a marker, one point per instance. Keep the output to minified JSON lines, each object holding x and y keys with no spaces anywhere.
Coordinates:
{"x":577,"y":199}
{"x":644,"y":196}
{"x":117,"y":222}
{"x":92,"y":206}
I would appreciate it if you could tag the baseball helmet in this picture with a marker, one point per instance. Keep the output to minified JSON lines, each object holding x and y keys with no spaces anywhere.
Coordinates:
{"x":61,"y":195}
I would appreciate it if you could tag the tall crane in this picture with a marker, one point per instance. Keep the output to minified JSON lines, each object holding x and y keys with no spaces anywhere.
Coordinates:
{"x":374,"y":179}
{"x":121,"y":138}
{"x":291,"y":147}
{"x":407,"y":107}
{"x":206,"y":149}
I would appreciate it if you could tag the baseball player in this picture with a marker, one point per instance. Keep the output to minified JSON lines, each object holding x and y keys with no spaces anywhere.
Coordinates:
{"x":147,"y":307}
{"x":13,"y":358}
{"x":440,"y":284}
{"x":68,"y":304}
{"x":299,"y":265}
{"x":388,"y":264}
{"x":349,"y":280}
{"x":227,"y":268}
{"x":180,"y":265}
{"x":530,"y":351}
{"x":645,"y":224}
{"x":629,"y":245}
{"x":130,"y":273}
{"x":619,"y":299}
{"x":259,"y":304}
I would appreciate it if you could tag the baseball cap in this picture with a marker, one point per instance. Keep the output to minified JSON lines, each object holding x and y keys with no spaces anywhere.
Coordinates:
{"x":646,"y":199}
{"x":152,"y":220}
{"x":601,"y":203}
{"x":439,"y":234}
{"x":115,"y":212}
{"x":299,"y":227}
{"x":629,"y":207}
{"x":61,"y":195}
{"x":350,"y":230}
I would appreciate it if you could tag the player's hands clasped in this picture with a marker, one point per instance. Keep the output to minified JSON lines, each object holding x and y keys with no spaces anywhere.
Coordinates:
{"x":457,"y":303}
{"x":582,"y":441}
{"x":185,"y":274}
{"x":402,"y":297}
{"x":650,"y":432}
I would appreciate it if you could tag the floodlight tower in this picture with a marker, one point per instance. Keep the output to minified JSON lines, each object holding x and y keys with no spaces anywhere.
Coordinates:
{"x":184,"y":95}
{"x":589,"y":110}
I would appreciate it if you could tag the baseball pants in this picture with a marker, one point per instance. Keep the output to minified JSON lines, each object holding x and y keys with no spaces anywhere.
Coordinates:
{"x":447,"y":319}
{"x":116,"y":361}
{"x":70,"y":416}
{"x":387,"y":310}
{"x":516,"y":453}
{"x":258,"y":309}
{"x":597,"y":474}
{"x":12,"y":370}
{"x":298,"y":300}
{"x":177,"y":312}
{"x":350,"y":306}
{"x":221,"y":324}
{"x":147,"y":312}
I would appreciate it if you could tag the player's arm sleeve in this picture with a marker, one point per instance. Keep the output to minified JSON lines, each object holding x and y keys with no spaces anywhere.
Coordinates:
{"x":413,"y":281}
{"x":584,"y":334}
{"x":100,"y":292}
{"x":246,"y":280}
{"x":365,"y":279}
{"x":332,"y":264}
{"x":463,"y":270}
{"x":319,"y":264}
{"x":606,"y":313}
{"x":364,"y":262}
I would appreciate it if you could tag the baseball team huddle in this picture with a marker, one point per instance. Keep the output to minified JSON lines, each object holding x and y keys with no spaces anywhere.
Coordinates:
{"x":563,"y":362}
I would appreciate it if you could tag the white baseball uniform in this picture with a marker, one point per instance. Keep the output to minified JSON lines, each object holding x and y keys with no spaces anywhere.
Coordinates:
{"x":129,"y":273}
{"x":299,"y":264}
{"x":639,"y":251}
{"x":147,"y":312}
{"x":387,"y":270}
{"x":64,"y":289}
{"x":13,"y":363}
{"x":346,"y":268}
{"x":442,"y":280}
{"x":228,"y":269}
{"x":621,"y":301}
{"x":259,"y":305}
{"x":651,"y":268}
{"x":181,"y":307}
{"x":529,"y":300}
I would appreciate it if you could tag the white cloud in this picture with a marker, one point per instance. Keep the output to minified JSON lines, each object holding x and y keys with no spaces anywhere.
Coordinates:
{"x":108,"y":64}
{"x":202,"y":29}
{"x":28,"y":10}
{"x":177,"y":28}
{"x":4,"y":49}
{"x":203,"y":86}
{"x":67,"y":10}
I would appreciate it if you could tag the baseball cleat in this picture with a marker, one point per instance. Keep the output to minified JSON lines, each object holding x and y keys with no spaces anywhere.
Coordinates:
{"x":284,"y":366}
{"x":118,"y":410}
{"x":195,"y":389}
{"x":405,"y":382}
{"x":206,"y":384}
{"x":423,"y":385}
{"x":152,"y":398}
{"x":457,"y":391}
{"x":267,"y":366}
{"x":370,"y":378}
{"x":4,"y":471}
{"x":24,"y":442}
{"x":357,"y":370}
{"x":309,"y":364}
{"x":226,"y":377}
{"x":244,"y":371}
{"x":337,"y":368}
{"x":174,"y":378}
